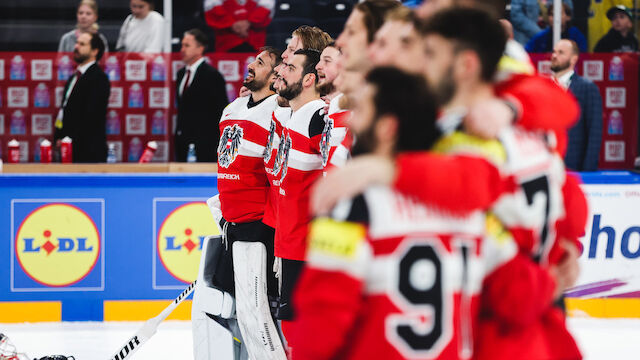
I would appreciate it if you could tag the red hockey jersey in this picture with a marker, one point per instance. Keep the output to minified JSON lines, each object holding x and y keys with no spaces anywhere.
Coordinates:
{"x":273,"y":158}
{"x":242,"y":180}
{"x":222,"y":14}
{"x":301,"y":166}
{"x":526,"y":191}
{"x":388,"y":278}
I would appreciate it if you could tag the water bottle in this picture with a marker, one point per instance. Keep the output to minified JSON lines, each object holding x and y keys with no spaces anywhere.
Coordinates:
{"x":191,"y":154}
{"x":148,"y":153}
{"x":111,"y":154}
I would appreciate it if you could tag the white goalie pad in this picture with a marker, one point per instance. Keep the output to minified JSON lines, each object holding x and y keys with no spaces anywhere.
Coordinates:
{"x":206,"y":297}
{"x":258,"y":329}
{"x":212,"y":339}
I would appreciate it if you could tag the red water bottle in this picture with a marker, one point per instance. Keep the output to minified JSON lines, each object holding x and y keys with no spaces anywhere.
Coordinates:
{"x":14,"y":151}
{"x":149,"y":150}
{"x":45,"y":151}
{"x":66,"y":150}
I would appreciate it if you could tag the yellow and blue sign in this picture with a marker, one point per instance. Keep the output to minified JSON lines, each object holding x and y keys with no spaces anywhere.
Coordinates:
{"x":57,"y":245}
{"x":180,"y":227}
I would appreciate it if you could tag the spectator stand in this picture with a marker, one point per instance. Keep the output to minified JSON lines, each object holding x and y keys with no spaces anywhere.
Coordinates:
{"x":329,"y":15}
{"x":141,"y":106}
{"x":616,"y":76}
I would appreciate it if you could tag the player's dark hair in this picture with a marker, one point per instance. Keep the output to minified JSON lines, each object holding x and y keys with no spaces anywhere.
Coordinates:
{"x":470,"y":29}
{"x":312,"y":57}
{"x":199,"y":36}
{"x":408,"y":99}
{"x":274,"y":54}
{"x":374,"y":12}
{"x":96,"y":43}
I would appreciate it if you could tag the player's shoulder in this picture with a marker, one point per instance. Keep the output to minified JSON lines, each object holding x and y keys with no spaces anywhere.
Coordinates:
{"x":235,"y":105}
{"x":305,"y":117}
{"x":459,"y":142}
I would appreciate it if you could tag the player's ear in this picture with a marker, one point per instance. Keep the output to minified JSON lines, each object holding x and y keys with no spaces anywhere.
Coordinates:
{"x":309,"y":80}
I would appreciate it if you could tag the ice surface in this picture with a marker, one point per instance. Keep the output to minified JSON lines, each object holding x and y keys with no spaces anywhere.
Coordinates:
{"x":598,"y":338}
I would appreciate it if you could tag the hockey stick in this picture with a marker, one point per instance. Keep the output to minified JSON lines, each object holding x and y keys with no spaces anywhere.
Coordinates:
{"x":149,"y":328}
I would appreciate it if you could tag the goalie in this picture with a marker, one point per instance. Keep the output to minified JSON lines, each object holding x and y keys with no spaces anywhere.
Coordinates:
{"x":237,"y":290}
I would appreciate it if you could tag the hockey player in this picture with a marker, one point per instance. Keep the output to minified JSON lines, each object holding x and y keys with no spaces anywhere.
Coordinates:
{"x":450,"y":73}
{"x":336,"y":139}
{"x":243,"y":188}
{"x":399,"y":35}
{"x":388,"y":278}
{"x":301,"y":165}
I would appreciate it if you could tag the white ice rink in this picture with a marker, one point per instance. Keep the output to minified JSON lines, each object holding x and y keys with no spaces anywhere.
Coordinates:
{"x":599,"y":339}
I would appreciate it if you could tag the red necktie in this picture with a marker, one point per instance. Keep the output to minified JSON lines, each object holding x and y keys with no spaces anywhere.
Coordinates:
{"x":185,"y":85}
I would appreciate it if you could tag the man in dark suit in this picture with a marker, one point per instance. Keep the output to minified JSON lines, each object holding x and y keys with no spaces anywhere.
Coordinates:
{"x":585,"y":137}
{"x":202,"y":95}
{"x":84,"y":104}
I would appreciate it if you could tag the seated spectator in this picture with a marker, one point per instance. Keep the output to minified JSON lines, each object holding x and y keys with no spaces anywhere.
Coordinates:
{"x":525,"y":16}
{"x":143,"y":30}
{"x":583,"y":151}
{"x":620,"y":37}
{"x":240,"y":26}
{"x":543,"y":41}
{"x":87,"y":16}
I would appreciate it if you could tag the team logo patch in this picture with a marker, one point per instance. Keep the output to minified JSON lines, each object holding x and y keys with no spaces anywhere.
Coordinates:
{"x":229,"y":145}
{"x":58,"y":245}
{"x":272,"y":135}
{"x":325,"y":141}
{"x":277,"y":163}
{"x":286,"y":150}
{"x":183,"y":228}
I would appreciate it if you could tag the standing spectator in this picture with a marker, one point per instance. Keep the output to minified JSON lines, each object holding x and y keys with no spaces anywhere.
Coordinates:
{"x":82,"y":116}
{"x":585,"y":136}
{"x":143,"y":30}
{"x":620,"y":37}
{"x":87,"y":16}
{"x":202,"y":96}
{"x":543,"y":41}
{"x":525,"y":16}
{"x":240,"y":25}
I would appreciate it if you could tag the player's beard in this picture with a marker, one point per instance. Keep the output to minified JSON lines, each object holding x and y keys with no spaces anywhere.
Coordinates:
{"x":255,"y":84}
{"x":364,"y":142}
{"x":446,"y":88}
{"x":326,"y":88}
{"x":290,"y":92}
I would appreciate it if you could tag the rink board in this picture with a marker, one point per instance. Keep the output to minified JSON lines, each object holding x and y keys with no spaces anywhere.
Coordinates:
{"x":121,"y":246}
{"x":99,"y":247}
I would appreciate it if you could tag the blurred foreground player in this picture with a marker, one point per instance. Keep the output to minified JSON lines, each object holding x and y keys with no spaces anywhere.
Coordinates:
{"x":387,"y":277}
{"x":243,"y":187}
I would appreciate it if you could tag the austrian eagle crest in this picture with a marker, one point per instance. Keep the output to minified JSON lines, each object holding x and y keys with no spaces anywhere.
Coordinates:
{"x":267,"y":150}
{"x":229,"y":145}
{"x":282,"y":161}
{"x":325,"y":140}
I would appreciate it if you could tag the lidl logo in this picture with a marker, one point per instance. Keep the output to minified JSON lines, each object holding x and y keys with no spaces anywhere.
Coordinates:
{"x":179,"y":240}
{"x":57,"y":245}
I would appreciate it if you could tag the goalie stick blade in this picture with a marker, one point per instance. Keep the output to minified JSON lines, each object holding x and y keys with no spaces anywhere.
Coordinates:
{"x":149,"y":328}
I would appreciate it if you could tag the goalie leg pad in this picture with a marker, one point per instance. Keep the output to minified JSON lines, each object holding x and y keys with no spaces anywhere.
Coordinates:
{"x":259,"y":331}
{"x":215,"y":331}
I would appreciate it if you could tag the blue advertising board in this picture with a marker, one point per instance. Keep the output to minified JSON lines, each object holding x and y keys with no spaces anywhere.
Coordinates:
{"x":82,"y":240}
